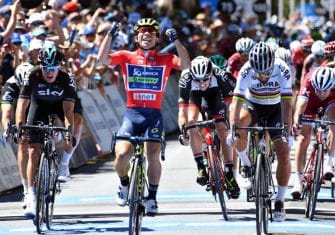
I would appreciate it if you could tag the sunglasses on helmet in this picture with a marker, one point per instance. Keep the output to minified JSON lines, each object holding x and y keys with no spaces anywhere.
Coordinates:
{"x":48,"y":69}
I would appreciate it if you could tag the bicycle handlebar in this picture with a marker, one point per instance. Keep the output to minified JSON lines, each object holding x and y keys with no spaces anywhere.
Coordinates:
{"x":45,"y":129}
{"x":322,"y":123}
{"x":283,"y":128}
{"x":207,"y":123}
{"x":140,"y":140}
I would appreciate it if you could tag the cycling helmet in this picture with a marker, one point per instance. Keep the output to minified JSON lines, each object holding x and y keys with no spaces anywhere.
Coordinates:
{"x":201,"y":68}
{"x":219,"y":61}
{"x":307,"y":42}
{"x":244,"y":45}
{"x":330,"y":48}
{"x":146,"y":22}
{"x":318,"y":48}
{"x":22,"y":73}
{"x":261,"y":57}
{"x":272,"y":42}
{"x":284,"y":54}
{"x":49,"y":55}
{"x":323,"y":78}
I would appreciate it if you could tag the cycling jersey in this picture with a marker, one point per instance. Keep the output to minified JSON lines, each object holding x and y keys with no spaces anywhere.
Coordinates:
{"x":277,"y":87}
{"x":220,"y":79}
{"x":145,"y":76}
{"x":307,"y":92}
{"x":220,"y":89}
{"x":11,"y":91}
{"x":234,"y":64}
{"x":47,"y":98}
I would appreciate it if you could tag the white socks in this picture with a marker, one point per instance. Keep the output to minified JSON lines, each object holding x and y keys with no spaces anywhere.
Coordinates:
{"x":281,"y":193}
{"x":66,"y":158}
{"x":25,"y":185}
{"x":244,"y":158}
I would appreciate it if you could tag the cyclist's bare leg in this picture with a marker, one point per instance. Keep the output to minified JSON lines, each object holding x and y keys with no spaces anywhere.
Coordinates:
{"x":195,"y":137}
{"x":123,"y":153}
{"x":34,"y":157}
{"x":284,"y":165}
{"x":301,"y":147}
{"x":196,"y":145}
{"x":244,"y":121}
{"x":154,"y":164}
{"x":222,"y":132}
{"x":22,"y":160}
{"x":331,"y":136}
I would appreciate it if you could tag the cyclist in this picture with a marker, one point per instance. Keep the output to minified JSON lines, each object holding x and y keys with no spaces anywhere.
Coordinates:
{"x":8,"y":104}
{"x":315,"y":59}
{"x":203,"y":82}
{"x":145,"y":73}
{"x":237,"y":60}
{"x":263,"y":91}
{"x":316,"y":91}
{"x":50,"y":91}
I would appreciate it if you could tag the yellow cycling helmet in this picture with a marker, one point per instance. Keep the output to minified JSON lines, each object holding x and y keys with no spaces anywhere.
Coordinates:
{"x":146,"y":22}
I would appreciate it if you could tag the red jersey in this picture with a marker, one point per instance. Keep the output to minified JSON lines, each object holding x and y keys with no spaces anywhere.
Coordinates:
{"x":298,"y":57}
{"x":307,"y":92}
{"x":234,"y":64}
{"x":145,"y":76}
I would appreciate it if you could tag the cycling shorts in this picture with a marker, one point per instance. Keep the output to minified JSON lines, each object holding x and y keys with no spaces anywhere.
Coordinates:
{"x":271,"y":114}
{"x":146,"y":122}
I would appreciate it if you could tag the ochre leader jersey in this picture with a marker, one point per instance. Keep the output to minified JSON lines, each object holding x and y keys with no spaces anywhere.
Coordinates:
{"x":145,"y":76}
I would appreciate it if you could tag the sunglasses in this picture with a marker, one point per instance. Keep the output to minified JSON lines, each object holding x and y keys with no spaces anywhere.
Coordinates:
{"x":48,"y":69}
{"x":150,"y":30}
{"x":201,"y":80}
{"x":265,"y":75}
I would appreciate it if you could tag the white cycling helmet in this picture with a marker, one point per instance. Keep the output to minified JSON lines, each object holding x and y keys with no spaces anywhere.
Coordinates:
{"x":323,"y":78}
{"x":261,"y":57}
{"x":22,"y":73}
{"x":244,"y":45}
{"x":318,"y":48}
{"x":272,"y":42}
{"x":201,"y":68}
{"x":284,"y":54}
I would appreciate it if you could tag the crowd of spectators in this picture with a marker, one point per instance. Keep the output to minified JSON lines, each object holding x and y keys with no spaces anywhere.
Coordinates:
{"x":79,"y":31}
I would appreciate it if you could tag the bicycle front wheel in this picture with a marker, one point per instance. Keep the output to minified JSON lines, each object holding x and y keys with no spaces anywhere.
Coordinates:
{"x":218,"y":179}
{"x":42,"y":191}
{"x":316,"y":183}
{"x":135,"y":206}
{"x":261,"y":195}
{"x":51,"y":194}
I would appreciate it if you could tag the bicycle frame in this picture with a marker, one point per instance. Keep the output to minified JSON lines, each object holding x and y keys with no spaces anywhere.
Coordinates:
{"x":262,"y":177}
{"x":214,"y":160}
{"x":314,"y":168}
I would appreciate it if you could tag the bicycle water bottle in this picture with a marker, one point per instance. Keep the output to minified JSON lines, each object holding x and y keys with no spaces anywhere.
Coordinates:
{"x":97,"y":78}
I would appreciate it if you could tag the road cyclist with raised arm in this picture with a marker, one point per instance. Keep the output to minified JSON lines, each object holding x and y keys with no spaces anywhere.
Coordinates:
{"x":145,"y":72}
{"x":264,"y":91}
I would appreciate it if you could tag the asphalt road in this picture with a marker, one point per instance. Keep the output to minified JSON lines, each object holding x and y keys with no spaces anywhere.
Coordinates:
{"x":87,"y":205}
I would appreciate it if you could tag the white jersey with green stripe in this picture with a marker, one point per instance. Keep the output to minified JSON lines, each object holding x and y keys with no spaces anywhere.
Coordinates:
{"x":278,"y":86}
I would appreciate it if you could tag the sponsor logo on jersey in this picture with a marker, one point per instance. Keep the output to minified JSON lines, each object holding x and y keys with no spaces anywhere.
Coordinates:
{"x":145,"y":77}
{"x":144,"y":96}
{"x":48,"y":92}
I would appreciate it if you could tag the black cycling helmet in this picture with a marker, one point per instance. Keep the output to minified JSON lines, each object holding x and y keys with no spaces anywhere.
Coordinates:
{"x":149,"y":22}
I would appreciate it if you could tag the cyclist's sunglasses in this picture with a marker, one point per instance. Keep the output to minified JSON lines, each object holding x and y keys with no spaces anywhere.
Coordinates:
{"x":150,"y":30}
{"x":264,"y":76}
{"x":202,"y":80}
{"x":48,"y":69}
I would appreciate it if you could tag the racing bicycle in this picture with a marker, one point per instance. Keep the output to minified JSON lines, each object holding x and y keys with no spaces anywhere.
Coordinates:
{"x":138,"y":187}
{"x":47,"y":184}
{"x":263,"y":187}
